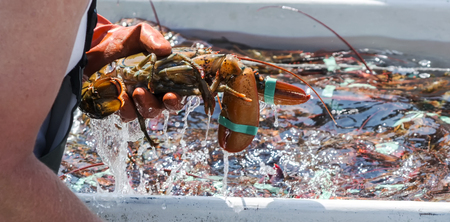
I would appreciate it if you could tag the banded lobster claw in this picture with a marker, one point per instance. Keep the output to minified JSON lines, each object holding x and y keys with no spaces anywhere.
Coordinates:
{"x":239,"y":119}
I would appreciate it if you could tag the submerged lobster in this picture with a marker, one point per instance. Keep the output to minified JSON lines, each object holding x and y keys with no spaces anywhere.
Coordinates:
{"x":189,"y":71}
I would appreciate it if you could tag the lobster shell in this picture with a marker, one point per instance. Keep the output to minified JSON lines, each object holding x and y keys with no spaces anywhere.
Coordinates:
{"x":239,"y":111}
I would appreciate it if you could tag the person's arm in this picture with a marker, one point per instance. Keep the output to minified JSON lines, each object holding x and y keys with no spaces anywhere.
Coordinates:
{"x":36,"y":40}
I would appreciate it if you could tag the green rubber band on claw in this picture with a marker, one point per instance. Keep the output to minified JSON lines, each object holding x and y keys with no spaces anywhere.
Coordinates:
{"x":269,"y":90}
{"x":239,"y":128}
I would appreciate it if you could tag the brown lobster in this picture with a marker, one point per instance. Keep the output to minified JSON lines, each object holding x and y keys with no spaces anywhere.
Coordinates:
{"x":189,"y":71}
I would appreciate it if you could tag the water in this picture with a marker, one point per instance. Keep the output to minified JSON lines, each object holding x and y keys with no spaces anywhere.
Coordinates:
{"x":391,"y":140}
{"x":166,"y":121}
{"x":193,"y":102}
{"x":226,"y":166}
{"x":207,"y":130}
{"x":112,"y":147}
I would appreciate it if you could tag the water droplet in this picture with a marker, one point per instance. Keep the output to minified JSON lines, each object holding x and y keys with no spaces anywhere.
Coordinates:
{"x":203,"y":143}
{"x":262,"y":105}
{"x":183,"y":143}
{"x":315,"y":142}
{"x":163,"y":206}
{"x":425,"y":63}
{"x":275,"y":113}
{"x":424,"y":75}
{"x":308,"y":91}
{"x":166,"y":121}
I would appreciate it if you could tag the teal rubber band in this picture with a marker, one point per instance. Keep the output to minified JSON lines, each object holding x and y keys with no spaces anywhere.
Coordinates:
{"x":246,"y":129}
{"x":328,"y":91}
{"x":269,"y":90}
{"x":331,"y":64}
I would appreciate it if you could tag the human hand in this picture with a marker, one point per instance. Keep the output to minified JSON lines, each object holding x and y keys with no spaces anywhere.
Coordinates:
{"x":148,"y":105}
{"x":111,"y":42}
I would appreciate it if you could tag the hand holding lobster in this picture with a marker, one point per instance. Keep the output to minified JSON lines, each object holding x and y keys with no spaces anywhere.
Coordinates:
{"x":190,"y":71}
{"x":111,"y":42}
{"x":187,"y":71}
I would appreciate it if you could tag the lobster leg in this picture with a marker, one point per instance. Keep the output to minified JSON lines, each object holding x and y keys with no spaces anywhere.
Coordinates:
{"x":144,"y":128}
{"x":208,"y":98}
{"x":226,"y":88}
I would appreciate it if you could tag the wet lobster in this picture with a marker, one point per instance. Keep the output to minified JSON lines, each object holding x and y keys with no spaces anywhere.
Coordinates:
{"x":189,"y":71}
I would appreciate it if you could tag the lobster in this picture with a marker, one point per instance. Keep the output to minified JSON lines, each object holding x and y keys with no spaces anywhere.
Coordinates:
{"x":190,"y":71}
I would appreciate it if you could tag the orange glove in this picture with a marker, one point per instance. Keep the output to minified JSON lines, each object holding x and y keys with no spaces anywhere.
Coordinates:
{"x":111,"y":42}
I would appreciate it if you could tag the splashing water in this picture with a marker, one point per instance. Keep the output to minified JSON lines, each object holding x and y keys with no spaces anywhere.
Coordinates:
{"x":275,"y":114}
{"x":193,"y":102}
{"x":262,"y":106}
{"x":166,"y":122}
{"x":111,"y":144}
{"x":204,"y":142}
{"x":169,"y":182}
{"x":225,"y":173}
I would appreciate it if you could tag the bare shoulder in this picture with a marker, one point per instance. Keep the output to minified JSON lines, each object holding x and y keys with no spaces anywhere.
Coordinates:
{"x":37,"y":40}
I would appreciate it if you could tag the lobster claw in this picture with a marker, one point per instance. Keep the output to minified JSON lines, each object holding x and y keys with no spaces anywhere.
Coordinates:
{"x":102,"y":97}
{"x":239,"y":119}
{"x":280,"y":93}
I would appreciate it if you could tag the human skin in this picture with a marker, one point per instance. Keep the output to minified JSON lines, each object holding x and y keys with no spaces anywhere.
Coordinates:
{"x":36,"y":41}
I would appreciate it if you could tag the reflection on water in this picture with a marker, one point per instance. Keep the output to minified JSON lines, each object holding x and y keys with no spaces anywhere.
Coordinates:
{"x":391,"y":140}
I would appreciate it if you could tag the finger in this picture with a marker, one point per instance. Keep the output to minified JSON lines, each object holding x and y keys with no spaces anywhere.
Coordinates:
{"x":146,"y":103}
{"x":153,"y":41}
{"x":101,"y":30}
{"x":111,"y":42}
{"x":128,"y":111}
{"x":173,"y":101}
{"x":102,"y":20}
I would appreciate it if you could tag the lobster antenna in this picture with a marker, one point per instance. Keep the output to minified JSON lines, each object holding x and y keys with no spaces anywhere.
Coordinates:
{"x":82,"y":168}
{"x":298,"y":77}
{"x":326,"y":26}
{"x":156,"y":16}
